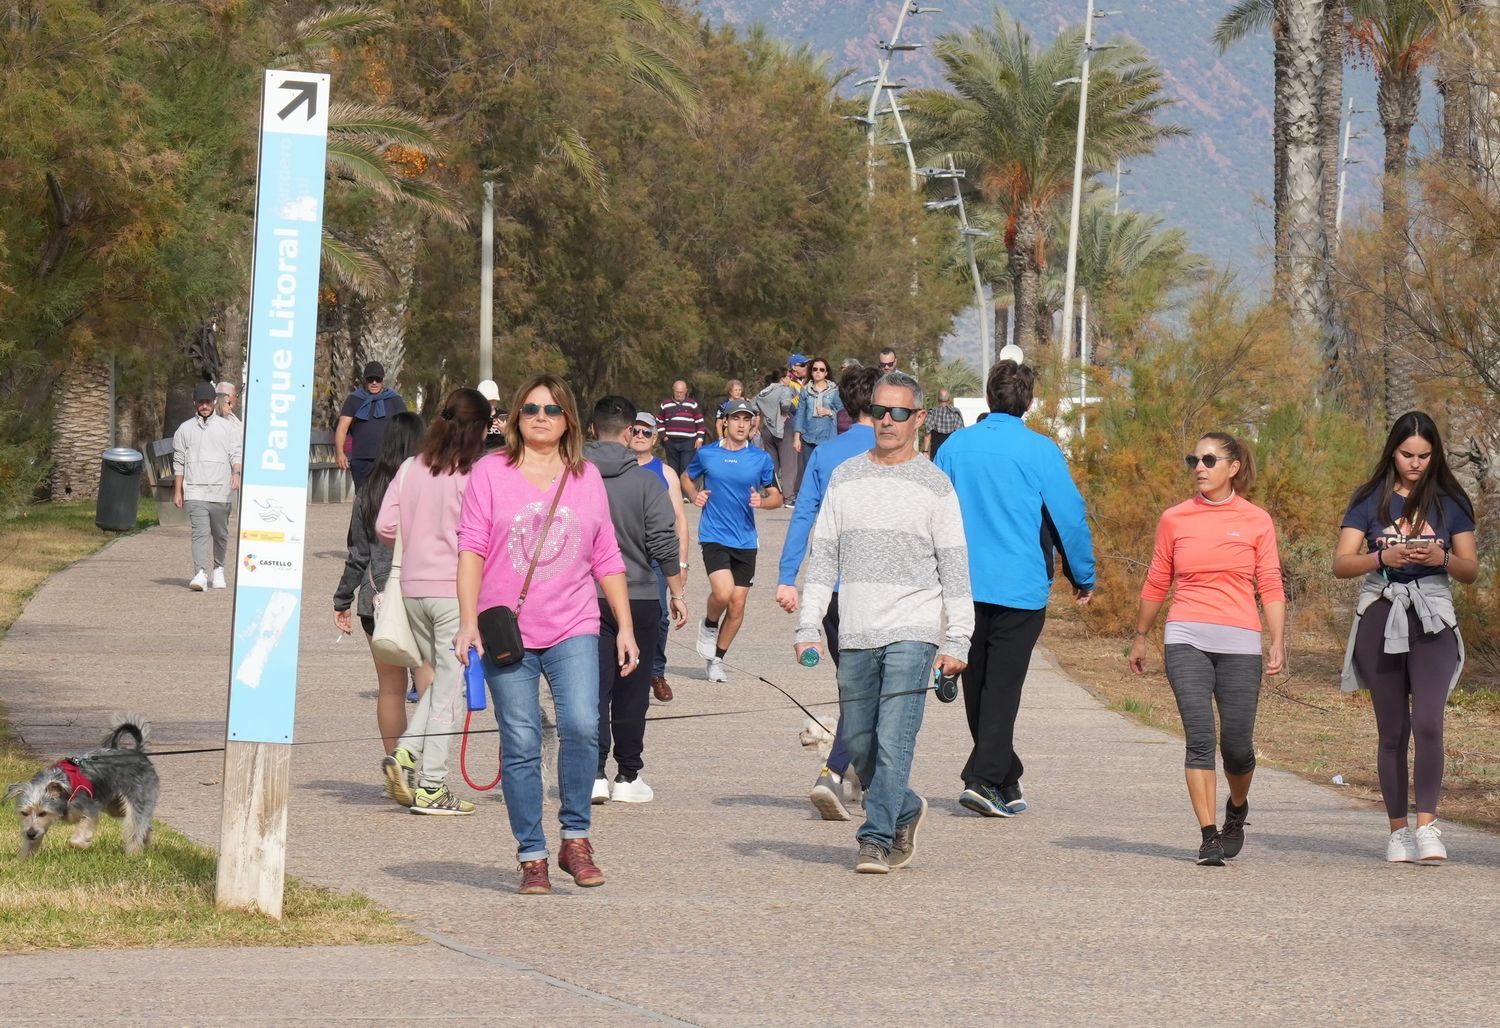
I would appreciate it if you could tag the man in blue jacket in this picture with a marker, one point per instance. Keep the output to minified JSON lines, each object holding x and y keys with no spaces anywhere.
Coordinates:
{"x":1018,"y":503}
{"x":855,"y":386}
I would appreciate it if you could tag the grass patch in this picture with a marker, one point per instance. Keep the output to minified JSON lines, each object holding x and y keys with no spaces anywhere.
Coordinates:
{"x":43,"y":539}
{"x":68,"y":899}
{"x":1305,"y":724}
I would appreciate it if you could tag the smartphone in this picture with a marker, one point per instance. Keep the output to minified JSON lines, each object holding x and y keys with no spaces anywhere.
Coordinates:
{"x":1420,"y":542}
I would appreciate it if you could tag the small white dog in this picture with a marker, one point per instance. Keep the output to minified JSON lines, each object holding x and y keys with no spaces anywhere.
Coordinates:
{"x":818,"y":735}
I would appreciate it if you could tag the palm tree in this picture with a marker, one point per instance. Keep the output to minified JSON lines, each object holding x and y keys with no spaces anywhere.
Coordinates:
{"x":1399,"y":38}
{"x":1250,"y":16}
{"x":1306,"y":233}
{"x":1013,"y":129}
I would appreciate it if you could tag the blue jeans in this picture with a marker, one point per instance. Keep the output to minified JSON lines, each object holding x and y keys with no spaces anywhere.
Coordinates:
{"x":572,"y":670}
{"x":664,"y":627}
{"x":879,"y":725}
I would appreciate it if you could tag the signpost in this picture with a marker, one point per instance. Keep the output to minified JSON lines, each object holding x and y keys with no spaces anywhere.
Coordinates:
{"x":273,"y":506}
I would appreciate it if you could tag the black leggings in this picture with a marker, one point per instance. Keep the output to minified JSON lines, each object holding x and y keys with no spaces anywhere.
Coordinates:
{"x":1198,"y":679}
{"x":1408,"y":692}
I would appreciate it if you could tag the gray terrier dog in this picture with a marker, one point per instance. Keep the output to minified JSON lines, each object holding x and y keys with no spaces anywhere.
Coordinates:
{"x":115,"y":778}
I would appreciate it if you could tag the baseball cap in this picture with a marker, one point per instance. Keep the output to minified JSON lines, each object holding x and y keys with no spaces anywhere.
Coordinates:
{"x":375,"y":369}
{"x":204,"y":391}
{"x":489,"y":390}
{"x":796,"y":358}
{"x":734,"y":407}
{"x":646,"y":418}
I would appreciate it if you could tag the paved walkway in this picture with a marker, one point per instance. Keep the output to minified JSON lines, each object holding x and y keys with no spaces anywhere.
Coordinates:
{"x":728,"y":902}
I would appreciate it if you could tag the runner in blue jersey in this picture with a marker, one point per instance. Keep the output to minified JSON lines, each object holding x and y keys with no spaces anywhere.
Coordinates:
{"x":738,"y":479}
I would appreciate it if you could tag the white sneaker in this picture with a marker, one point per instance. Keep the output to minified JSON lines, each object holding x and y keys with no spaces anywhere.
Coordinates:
{"x":1402,"y":847}
{"x":708,"y":641}
{"x":716,"y":670}
{"x":199,"y":582}
{"x":218,"y":579}
{"x":601,"y":791}
{"x":632,"y":792}
{"x":1430,"y":848}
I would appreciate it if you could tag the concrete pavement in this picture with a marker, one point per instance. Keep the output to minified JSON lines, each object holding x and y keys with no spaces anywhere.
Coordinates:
{"x":728,"y":901}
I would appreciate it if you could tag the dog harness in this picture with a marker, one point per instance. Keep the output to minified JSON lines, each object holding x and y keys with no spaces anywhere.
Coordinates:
{"x":76,"y":778}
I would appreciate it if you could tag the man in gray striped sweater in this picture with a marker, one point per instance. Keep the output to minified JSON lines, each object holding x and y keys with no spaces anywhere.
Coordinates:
{"x":891,"y":535}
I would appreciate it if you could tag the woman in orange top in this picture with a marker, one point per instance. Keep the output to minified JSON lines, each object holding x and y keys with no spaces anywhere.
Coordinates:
{"x":1219,"y":549}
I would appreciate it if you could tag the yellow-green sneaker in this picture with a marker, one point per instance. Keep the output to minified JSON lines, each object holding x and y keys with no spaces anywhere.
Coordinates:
{"x":400,"y":771}
{"x":440,"y":801}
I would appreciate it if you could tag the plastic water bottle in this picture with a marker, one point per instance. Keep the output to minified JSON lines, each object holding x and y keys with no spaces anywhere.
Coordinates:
{"x":474,"y":684}
{"x":809,"y":657}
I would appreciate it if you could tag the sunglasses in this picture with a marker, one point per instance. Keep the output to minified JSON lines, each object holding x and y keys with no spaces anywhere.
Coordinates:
{"x":879,"y":411}
{"x":820,"y":367}
{"x":1208,"y":459}
{"x":531,"y":410}
{"x":887,"y":366}
{"x":641,"y":432}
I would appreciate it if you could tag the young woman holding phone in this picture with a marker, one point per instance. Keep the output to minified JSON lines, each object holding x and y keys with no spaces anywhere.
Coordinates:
{"x":1219,"y":550}
{"x":1408,"y":530}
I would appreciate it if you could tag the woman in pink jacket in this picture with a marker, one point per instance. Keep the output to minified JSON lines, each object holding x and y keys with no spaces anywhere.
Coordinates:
{"x":505,"y":529}
{"x":423,"y":504}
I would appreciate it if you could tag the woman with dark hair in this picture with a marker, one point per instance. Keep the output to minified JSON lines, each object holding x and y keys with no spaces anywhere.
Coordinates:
{"x":423,"y":506}
{"x":365,"y":571}
{"x":1219,"y":550}
{"x":1408,"y":531}
{"x":535,"y":537}
{"x":815,"y":421}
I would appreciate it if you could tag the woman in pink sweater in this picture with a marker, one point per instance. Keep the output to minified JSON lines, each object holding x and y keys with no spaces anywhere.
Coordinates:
{"x":1220,"y":550}
{"x":422,"y":504}
{"x":504,"y":531}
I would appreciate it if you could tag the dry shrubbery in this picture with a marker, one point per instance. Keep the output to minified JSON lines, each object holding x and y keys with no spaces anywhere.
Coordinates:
{"x":1235,"y":369}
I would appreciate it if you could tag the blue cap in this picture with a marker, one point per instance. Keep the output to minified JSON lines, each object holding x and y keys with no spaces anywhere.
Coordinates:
{"x":796,"y":358}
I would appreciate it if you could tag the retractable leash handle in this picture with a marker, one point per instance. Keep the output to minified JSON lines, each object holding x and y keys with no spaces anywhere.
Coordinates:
{"x":475,"y":689}
{"x":945,"y":686}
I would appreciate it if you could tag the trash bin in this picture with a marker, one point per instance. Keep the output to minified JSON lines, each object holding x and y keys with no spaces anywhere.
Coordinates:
{"x":119,"y":489}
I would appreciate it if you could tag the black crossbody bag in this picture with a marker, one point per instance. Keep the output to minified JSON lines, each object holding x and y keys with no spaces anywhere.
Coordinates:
{"x":500,"y":627}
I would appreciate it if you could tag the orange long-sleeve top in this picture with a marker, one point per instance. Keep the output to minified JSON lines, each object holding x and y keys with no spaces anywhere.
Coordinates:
{"x":1220,"y":555}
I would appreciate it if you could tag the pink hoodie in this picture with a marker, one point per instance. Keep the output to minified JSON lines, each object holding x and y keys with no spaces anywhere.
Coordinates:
{"x":427,"y":508}
{"x":502,"y":518}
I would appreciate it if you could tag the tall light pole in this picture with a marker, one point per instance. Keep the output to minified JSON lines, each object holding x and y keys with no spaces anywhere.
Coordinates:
{"x":1119,"y":172}
{"x":1344,"y":162}
{"x":487,"y":286}
{"x":969,"y":234}
{"x":882,"y":84}
{"x":1083,"y":112}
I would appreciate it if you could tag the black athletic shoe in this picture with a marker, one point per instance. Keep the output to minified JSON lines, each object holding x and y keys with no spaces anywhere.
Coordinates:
{"x":1232,"y":835}
{"x":1211,"y":853}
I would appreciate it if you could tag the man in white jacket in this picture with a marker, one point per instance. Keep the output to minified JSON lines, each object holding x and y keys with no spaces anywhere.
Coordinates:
{"x":890,"y":534}
{"x":206,"y":455}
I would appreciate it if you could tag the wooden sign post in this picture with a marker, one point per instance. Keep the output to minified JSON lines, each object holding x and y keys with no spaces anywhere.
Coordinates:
{"x":273,"y":506}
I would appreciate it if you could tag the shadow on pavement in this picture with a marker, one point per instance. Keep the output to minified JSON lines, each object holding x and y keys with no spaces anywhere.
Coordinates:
{"x":1103,"y":844}
{"x":359,"y":794}
{"x":763,"y":800}
{"x":805,"y":852}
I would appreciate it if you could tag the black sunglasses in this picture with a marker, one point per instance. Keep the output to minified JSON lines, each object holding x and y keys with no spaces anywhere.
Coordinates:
{"x":642,"y":431}
{"x":879,"y":411}
{"x":531,"y":410}
{"x":887,"y":366}
{"x":1208,"y":459}
{"x":819,"y":367}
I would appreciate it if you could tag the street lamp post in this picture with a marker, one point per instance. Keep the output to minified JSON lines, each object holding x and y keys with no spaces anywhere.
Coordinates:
{"x":969,"y":234}
{"x":1083,"y":111}
{"x":487,"y":286}
{"x":1344,"y":162}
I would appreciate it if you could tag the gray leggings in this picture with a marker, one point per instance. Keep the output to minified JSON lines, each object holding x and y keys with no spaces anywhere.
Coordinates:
{"x":1408,"y":692}
{"x":1233,"y":679}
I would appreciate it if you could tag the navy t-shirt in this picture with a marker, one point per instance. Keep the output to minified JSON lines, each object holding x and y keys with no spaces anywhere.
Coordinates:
{"x":730,"y":475}
{"x":368,"y":434}
{"x":1451,"y":520}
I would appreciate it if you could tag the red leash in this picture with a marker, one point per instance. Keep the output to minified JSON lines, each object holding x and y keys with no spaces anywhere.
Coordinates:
{"x":463,"y":758}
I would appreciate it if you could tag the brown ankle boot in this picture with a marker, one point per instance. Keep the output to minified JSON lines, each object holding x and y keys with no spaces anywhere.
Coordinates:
{"x":576,"y":857}
{"x":534,"y":879}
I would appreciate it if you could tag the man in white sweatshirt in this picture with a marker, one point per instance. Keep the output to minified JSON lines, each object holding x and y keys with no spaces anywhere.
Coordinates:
{"x":206,"y":452}
{"x":891,"y":535}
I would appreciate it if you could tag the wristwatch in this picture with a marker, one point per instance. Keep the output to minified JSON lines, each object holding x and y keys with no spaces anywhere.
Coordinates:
{"x":682,"y":564}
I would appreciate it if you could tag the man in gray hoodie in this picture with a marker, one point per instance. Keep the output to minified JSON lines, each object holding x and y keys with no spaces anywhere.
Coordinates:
{"x":646,"y":529}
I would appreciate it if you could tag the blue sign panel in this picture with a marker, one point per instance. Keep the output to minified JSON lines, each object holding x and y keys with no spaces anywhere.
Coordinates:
{"x":278,"y":406}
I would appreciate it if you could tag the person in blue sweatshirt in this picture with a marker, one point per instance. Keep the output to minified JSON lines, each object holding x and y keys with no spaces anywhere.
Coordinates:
{"x":1019,"y":505}
{"x":855,"y":386}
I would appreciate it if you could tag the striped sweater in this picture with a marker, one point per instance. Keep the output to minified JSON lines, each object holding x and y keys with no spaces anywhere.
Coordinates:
{"x":892,"y":538}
